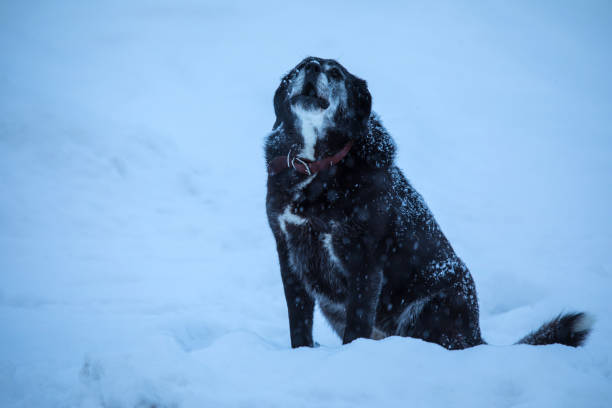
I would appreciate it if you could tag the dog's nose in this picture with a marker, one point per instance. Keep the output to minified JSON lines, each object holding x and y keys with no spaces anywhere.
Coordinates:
{"x":313,"y":67}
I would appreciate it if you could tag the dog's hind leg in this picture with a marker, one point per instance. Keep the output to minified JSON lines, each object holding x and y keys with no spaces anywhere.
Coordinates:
{"x":447,"y":319}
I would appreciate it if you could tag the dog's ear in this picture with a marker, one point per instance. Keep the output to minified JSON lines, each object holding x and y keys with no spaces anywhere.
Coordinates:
{"x":360,"y":105}
{"x":361,"y":100}
{"x":279,"y":97}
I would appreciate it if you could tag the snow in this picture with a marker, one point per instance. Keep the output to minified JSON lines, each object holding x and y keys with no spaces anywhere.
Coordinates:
{"x":137,"y":268}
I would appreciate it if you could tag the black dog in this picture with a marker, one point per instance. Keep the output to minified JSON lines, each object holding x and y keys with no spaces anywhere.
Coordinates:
{"x":352,"y":233}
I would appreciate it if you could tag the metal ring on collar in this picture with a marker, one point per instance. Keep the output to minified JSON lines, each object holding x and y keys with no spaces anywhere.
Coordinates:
{"x":303,"y":163}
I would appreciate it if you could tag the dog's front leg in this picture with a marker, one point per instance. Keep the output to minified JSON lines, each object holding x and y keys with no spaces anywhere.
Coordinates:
{"x":363,"y":292}
{"x":300,"y":305}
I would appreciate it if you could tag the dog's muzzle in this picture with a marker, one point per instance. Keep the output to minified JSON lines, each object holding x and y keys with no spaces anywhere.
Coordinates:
{"x":309,"y":97}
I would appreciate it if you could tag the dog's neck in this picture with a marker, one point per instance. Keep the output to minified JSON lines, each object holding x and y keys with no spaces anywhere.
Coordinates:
{"x":311,"y":126}
{"x":310,"y":131}
{"x":281,"y":163}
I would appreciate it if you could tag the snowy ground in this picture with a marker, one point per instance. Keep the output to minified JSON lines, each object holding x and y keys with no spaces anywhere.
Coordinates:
{"x":136,"y":265}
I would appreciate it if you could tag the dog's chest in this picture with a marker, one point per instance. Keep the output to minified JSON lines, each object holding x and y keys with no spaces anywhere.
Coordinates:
{"x":313,"y":257}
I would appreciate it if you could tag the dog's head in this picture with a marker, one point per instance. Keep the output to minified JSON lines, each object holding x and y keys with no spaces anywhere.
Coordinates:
{"x":323,"y":95}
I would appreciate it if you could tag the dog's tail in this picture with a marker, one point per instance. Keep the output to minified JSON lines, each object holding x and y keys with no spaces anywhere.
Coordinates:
{"x":570,"y":329}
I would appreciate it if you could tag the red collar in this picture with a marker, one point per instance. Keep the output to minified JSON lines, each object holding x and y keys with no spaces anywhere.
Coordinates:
{"x":304,"y":166}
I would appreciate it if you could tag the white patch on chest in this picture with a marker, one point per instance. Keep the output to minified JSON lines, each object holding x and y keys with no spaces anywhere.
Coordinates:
{"x":287,"y":217}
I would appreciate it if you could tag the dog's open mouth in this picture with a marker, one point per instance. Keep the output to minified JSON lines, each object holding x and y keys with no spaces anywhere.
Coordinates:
{"x":309,"y":99}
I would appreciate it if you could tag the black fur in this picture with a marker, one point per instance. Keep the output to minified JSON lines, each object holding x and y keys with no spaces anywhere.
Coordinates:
{"x":359,"y":240}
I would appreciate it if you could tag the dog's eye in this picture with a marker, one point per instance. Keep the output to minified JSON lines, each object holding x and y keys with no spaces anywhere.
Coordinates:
{"x":335,"y":73}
